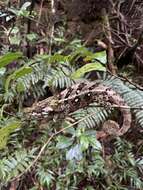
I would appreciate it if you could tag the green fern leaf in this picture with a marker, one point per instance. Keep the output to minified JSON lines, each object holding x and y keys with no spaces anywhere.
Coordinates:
{"x":6,"y":131}
{"x":14,"y":165}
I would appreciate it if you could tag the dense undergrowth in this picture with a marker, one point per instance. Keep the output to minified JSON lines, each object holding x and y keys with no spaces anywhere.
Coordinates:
{"x":73,"y":158}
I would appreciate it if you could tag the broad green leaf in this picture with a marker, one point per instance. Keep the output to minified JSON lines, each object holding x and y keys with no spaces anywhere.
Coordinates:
{"x":64,"y":142}
{"x":20,"y":87}
{"x":22,"y":72}
{"x":14,"y":30}
{"x":15,"y":40}
{"x":69,"y":130}
{"x":80,"y":51}
{"x":31,"y":36}
{"x":8,"y":58}
{"x":2,"y":71}
{"x":76,"y":41}
{"x":15,"y":37}
{"x":83,"y":51}
{"x":100,"y":56}
{"x":23,"y":11}
{"x":84,"y":142}
{"x":25,"y":6}
{"x":140,"y":162}
{"x":95,"y":143}
{"x":74,"y":153}
{"x":57,"y":58}
{"x":6,"y":130}
{"x":17,"y":74}
{"x":87,"y":68}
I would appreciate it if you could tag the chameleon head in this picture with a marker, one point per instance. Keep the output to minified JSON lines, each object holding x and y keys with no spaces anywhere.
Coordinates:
{"x":51,"y":105}
{"x":44,"y":107}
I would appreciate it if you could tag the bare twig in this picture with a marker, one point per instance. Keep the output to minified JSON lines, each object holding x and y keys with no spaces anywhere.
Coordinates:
{"x":40,"y":13}
{"x":53,"y":11}
{"x":110,"y":42}
{"x":123,"y":78}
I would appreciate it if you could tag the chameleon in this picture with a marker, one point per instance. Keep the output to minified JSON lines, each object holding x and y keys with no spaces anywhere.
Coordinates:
{"x":80,"y":95}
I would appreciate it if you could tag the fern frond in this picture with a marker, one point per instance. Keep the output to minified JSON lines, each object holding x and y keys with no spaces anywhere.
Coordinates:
{"x":132,"y":96}
{"x":45,"y":177}
{"x":6,"y":130}
{"x":38,"y":73}
{"x":58,"y":78}
{"x":100,"y":115}
{"x":51,"y":75}
{"x":14,"y":165}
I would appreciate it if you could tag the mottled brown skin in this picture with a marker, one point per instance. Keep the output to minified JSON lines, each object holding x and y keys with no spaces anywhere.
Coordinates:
{"x":79,"y":96}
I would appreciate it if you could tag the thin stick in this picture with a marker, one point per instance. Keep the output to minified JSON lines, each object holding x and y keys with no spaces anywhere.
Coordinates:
{"x":53,"y":11}
{"x":110,"y":42}
{"x":40,"y":13}
{"x":123,"y":78}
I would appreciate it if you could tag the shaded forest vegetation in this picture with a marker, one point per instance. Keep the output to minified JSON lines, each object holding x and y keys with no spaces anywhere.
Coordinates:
{"x":71,"y":95}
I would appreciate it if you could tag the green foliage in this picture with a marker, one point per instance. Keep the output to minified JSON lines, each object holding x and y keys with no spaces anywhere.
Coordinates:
{"x":100,"y":115}
{"x":9,"y":58}
{"x":74,"y":159}
{"x":5,"y":131}
{"x":16,"y":75}
{"x":87,"y":68}
{"x":75,"y":154}
{"x":23,"y":10}
{"x":99,"y":56}
{"x":45,"y":177}
{"x":15,"y":164}
{"x":131,"y":95}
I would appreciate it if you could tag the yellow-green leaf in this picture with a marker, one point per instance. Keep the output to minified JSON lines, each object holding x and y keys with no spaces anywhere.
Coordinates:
{"x":8,"y":58}
{"x":7,"y":130}
{"x":17,"y":74}
{"x":20,"y":87}
{"x":100,"y":56}
{"x":21,"y":72}
{"x":87,"y":68}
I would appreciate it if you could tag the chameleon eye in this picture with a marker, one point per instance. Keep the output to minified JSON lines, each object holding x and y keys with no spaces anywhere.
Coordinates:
{"x":89,"y":94}
{"x":47,"y":109}
{"x":76,"y":100}
{"x":78,"y":91}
